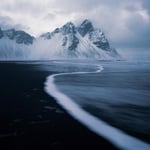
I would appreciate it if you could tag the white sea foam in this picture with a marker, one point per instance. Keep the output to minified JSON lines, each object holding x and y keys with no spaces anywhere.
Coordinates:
{"x":114,"y":135}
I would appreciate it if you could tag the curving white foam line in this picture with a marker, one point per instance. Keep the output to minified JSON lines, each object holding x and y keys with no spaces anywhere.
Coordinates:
{"x":114,"y":135}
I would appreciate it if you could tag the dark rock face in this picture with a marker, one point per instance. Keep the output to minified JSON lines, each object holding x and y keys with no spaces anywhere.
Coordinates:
{"x":74,"y":42}
{"x":104,"y":46}
{"x":49,"y":35}
{"x":70,"y":39}
{"x":64,"y":42}
{"x":56,"y":30}
{"x":9,"y":33}
{"x":99,"y":40}
{"x":95,"y":35}
{"x":46,"y":35}
{"x":85,"y":27}
{"x":20,"y":37}
{"x":68,"y":28}
{"x":85,"y":34}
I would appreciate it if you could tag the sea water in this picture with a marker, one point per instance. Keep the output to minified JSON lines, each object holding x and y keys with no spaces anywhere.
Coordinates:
{"x":111,"y":98}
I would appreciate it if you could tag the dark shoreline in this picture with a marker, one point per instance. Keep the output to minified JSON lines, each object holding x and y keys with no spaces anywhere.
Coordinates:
{"x":30,"y":119}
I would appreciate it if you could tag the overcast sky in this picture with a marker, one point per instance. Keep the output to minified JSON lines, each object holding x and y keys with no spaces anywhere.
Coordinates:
{"x":125,"y":22}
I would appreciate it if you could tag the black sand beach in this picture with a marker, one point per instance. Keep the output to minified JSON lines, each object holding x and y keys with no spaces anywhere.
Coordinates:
{"x":30,"y":119}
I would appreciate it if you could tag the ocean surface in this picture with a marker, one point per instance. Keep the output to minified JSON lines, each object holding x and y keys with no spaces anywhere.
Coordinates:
{"x":111,"y":98}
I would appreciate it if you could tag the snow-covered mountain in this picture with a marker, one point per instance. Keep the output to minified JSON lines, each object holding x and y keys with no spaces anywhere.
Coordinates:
{"x":19,"y":37}
{"x":83,"y":41}
{"x":15,"y":45}
{"x":68,"y":41}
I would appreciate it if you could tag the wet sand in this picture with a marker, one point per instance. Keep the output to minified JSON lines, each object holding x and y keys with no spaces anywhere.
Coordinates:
{"x":31,"y":119}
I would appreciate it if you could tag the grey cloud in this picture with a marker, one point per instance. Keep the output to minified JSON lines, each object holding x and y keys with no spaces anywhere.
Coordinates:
{"x":7,"y":23}
{"x":23,"y":7}
{"x":121,"y":20}
{"x":146,"y":4}
{"x":83,"y":5}
{"x":50,"y":16}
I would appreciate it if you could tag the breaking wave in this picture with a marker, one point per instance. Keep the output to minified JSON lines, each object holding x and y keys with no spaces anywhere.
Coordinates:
{"x":112,"y":134}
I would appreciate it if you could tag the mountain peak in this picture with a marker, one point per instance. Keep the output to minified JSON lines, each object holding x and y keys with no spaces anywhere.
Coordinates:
{"x":86,"y":21}
{"x":69,"y":41}
{"x":69,"y":24}
{"x":85,"y":27}
{"x":19,"y":36}
{"x":84,"y":40}
{"x":69,"y":27}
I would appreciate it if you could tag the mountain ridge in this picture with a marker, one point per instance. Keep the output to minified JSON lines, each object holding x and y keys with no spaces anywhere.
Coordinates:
{"x":19,"y":36}
{"x":83,"y":41}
